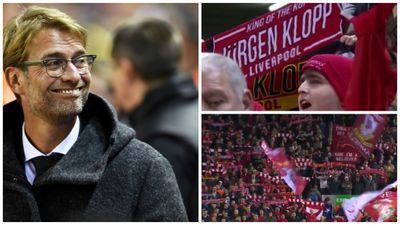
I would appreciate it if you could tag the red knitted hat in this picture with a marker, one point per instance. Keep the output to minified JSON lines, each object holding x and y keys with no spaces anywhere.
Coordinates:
{"x":335,"y":68}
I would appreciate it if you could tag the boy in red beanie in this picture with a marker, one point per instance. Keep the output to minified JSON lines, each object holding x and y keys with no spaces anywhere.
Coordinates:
{"x":324,"y":82}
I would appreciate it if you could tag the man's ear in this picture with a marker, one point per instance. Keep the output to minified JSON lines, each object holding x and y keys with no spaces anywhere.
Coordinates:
{"x":15,"y":80}
{"x":247,"y":100}
{"x":127,"y":68}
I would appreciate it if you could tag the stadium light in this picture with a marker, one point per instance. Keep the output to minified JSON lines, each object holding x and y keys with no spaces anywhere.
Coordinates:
{"x":276,"y":6}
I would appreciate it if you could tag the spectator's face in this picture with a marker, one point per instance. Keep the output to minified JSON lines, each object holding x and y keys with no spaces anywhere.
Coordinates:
{"x":218,"y":93}
{"x":48,"y":98}
{"x":316,"y":93}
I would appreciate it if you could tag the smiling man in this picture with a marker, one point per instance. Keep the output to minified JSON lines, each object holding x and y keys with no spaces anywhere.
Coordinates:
{"x":65,"y":155}
{"x":324,"y":82}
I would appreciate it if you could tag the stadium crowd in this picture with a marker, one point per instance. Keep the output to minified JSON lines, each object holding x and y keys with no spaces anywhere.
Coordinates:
{"x":240,"y":184}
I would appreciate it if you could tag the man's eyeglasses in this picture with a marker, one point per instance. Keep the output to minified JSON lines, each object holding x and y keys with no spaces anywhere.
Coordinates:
{"x":55,"y":67}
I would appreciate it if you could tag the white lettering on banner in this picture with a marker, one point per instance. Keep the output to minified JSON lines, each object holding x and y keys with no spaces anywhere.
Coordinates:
{"x":297,"y":6}
{"x":264,"y":43}
{"x":260,"y":45}
{"x":270,"y":17}
{"x":284,"y":11}
{"x":267,"y":64}
{"x":311,"y":18}
{"x":256,"y":24}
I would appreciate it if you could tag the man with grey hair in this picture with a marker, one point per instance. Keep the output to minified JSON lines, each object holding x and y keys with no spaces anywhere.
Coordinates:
{"x":223,"y":84}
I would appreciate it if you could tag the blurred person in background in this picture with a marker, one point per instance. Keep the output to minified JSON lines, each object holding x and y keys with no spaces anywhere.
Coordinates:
{"x":66,"y":157}
{"x":184,"y":18}
{"x":158,"y":101}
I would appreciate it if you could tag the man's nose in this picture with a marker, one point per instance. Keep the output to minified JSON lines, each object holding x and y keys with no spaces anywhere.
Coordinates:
{"x":71,"y":73}
{"x":303,"y":88}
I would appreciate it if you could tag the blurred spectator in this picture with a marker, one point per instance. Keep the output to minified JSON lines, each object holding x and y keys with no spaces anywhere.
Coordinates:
{"x":370,"y":183}
{"x":160,"y":103}
{"x":390,"y":169}
{"x":314,"y":194}
{"x":358,"y":186}
{"x":328,"y":210}
{"x":347,"y":186}
{"x":184,"y":18}
{"x":334,"y":184}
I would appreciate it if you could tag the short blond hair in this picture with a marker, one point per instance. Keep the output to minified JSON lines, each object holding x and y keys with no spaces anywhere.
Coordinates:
{"x":20,"y":31}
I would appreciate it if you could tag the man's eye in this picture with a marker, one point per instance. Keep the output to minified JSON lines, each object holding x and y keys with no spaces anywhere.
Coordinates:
{"x":80,"y":62}
{"x":215,"y":102}
{"x":314,"y":81}
{"x":54,"y":63}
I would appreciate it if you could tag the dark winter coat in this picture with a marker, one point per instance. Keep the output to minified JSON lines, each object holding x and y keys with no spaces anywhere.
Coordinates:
{"x":167,"y":120}
{"x":107,"y":175}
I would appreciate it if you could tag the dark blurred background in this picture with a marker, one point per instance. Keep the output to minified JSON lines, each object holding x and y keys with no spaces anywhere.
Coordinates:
{"x":219,"y":17}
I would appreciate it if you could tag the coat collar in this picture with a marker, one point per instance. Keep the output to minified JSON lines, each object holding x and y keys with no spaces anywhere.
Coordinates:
{"x":101,"y":138}
{"x":178,"y":87}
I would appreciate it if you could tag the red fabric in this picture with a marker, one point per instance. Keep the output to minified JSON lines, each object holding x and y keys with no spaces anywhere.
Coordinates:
{"x":285,"y":168}
{"x":335,"y":68}
{"x":257,"y":106}
{"x":282,"y":220}
{"x":314,"y":212}
{"x":373,"y":81}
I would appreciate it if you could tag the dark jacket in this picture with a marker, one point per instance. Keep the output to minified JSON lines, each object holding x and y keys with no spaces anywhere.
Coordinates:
{"x":107,"y":175}
{"x":167,"y":120}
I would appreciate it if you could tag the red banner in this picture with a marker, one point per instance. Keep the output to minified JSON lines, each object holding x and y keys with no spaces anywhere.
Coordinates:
{"x":213,"y":201}
{"x":383,"y":208}
{"x":270,"y":48}
{"x":380,"y":172}
{"x":333,"y":164}
{"x":342,"y":150}
{"x":366,"y":131}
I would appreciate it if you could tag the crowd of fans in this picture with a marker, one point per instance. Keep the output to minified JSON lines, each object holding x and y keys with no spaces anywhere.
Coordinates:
{"x":240,"y":183}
